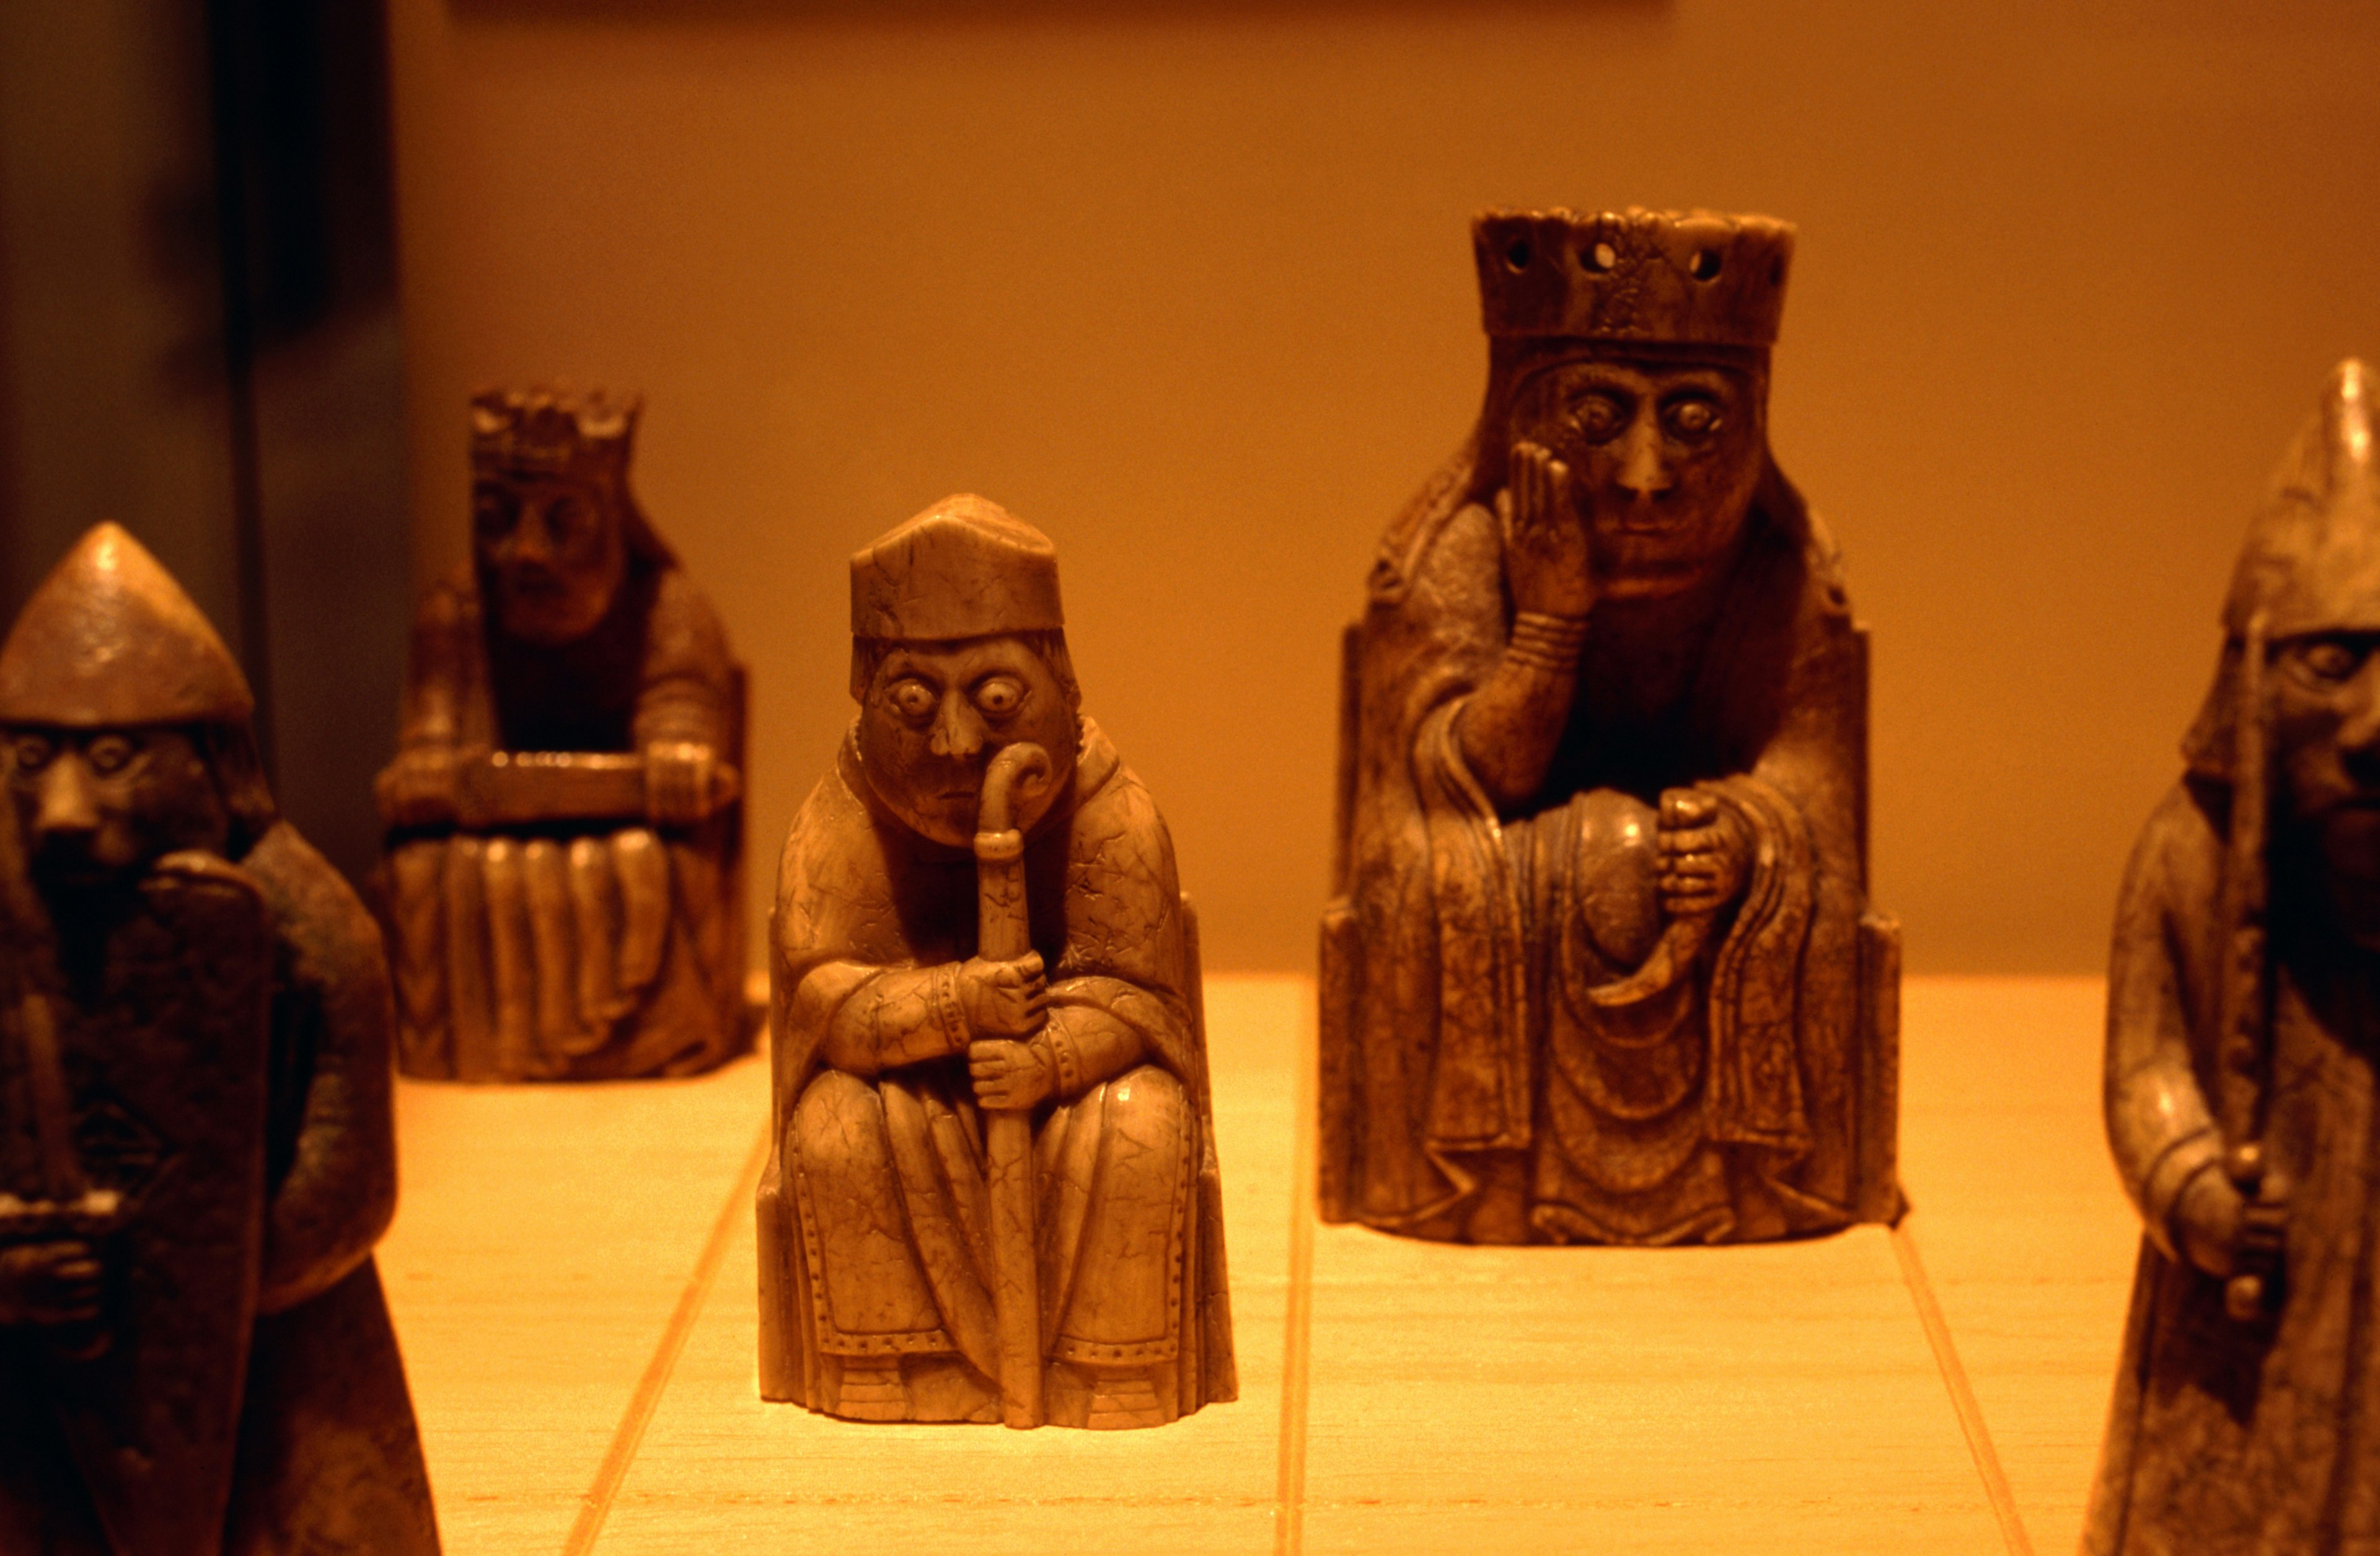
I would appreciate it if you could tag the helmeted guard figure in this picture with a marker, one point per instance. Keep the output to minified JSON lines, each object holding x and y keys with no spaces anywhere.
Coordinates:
{"x":2243,"y":1021}
{"x":196,"y":1146}
{"x":993,"y":1192}
{"x":565,"y":874}
{"x":1601,"y":965}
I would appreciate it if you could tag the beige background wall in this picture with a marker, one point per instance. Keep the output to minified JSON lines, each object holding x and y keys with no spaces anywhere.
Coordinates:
{"x":1188,"y":286}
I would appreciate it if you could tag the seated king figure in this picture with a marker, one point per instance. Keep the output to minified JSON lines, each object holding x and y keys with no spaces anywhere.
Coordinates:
{"x":901,"y":1038}
{"x":1602,"y":967}
{"x":565,"y":876}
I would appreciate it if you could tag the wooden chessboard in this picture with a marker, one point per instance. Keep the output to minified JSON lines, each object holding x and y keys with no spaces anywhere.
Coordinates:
{"x":571,"y":1273}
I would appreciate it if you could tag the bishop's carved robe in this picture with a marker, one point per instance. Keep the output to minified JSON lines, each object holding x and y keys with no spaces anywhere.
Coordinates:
{"x":1471,"y":1088}
{"x":876,"y":1270}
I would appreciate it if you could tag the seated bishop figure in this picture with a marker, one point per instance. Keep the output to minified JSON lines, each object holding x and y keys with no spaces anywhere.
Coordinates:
{"x":971,"y":999}
{"x":564,"y":872}
{"x":1602,"y":968}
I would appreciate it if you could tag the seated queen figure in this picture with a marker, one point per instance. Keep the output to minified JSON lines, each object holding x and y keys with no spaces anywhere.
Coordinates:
{"x":564,"y":879}
{"x":1602,"y":966}
{"x":888,"y":1277}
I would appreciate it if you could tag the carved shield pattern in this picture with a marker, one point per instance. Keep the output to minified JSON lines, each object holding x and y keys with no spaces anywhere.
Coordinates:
{"x":161,"y":1037}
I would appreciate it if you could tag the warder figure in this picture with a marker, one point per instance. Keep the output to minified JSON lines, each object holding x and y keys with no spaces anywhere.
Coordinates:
{"x":195,"y":1150}
{"x":2244,"y":1011}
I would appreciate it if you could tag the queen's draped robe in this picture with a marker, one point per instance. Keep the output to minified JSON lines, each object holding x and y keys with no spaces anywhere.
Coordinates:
{"x":1471,"y":1088}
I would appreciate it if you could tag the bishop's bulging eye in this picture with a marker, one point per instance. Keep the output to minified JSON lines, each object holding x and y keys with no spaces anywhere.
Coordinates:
{"x":30,"y":753}
{"x":1000,"y":696}
{"x":912,"y":699}
{"x":111,"y":754}
{"x":1690,"y":419}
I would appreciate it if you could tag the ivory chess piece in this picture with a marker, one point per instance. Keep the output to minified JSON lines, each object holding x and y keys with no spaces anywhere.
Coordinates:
{"x":993,"y":1193}
{"x":2241,"y":1001}
{"x":196,"y":1147}
{"x":1601,"y":965}
{"x":564,"y":873}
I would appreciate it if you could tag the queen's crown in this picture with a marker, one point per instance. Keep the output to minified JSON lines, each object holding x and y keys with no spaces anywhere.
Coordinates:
{"x":1694,"y":277}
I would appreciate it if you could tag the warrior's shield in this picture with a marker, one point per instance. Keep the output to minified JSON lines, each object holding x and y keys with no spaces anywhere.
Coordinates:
{"x":159,"y":1036}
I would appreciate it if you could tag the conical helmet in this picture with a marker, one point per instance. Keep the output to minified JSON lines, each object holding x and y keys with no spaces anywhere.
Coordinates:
{"x":109,"y":640}
{"x":2312,"y":561}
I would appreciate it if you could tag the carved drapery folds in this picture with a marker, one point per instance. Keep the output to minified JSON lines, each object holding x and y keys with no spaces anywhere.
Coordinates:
{"x":993,"y":1192}
{"x":564,"y":879}
{"x":1602,"y":967}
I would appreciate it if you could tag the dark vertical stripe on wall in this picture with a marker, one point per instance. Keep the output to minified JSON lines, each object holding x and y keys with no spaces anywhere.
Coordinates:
{"x":234,"y":92}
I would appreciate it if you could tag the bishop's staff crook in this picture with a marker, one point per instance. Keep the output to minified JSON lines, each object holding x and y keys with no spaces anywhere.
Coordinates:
{"x":1004,"y":934}
{"x":2243,"y":1015}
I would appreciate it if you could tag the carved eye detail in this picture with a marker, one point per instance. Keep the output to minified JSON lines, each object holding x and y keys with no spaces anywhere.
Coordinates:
{"x":110,"y":753}
{"x":2327,"y":659}
{"x":1599,"y":415}
{"x":1691,"y":418}
{"x":569,"y":518}
{"x":912,"y":699}
{"x":1000,"y":696}
{"x":494,"y":509}
{"x":32,"y":752}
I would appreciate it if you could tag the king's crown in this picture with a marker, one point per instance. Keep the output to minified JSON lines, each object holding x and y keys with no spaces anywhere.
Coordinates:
{"x":1694,"y":277}
{"x":553,"y":430}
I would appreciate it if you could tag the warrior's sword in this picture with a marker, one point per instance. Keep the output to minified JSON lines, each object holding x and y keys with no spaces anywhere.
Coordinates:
{"x":528,"y":788}
{"x":69,"y":1206}
{"x":1003,"y":934}
{"x":2244,"y":1024}
{"x":62,"y":1174}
